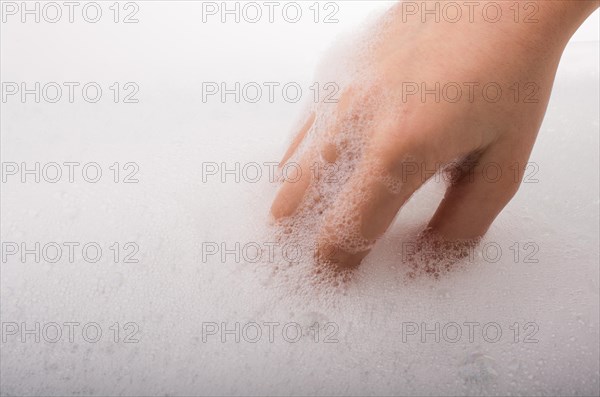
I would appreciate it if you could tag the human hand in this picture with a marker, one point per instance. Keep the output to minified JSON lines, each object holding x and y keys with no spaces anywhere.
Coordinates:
{"x":466,"y":97}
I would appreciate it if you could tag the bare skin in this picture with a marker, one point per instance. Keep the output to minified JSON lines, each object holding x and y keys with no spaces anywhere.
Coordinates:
{"x":522,"y":58}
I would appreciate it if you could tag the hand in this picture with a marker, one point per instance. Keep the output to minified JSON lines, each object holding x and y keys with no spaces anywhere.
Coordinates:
{"x":466,"y":97}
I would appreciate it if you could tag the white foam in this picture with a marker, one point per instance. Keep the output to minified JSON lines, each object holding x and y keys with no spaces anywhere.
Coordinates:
{"x":171,"y":212}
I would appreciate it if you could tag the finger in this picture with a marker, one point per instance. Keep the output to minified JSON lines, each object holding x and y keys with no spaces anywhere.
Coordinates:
{"x":366,"y":207}
{"x":297,"y":178}
{"x":321,"y":153}
{"x":298,"y":139}
{"x":472,"y":202}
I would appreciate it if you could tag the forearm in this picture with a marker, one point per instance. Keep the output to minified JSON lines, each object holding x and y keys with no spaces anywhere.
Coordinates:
{"x":537,"y":24}
{"x":555,"y":20}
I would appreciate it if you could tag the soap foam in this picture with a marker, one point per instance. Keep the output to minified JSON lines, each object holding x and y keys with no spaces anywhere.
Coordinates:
{"x":172,"y":291}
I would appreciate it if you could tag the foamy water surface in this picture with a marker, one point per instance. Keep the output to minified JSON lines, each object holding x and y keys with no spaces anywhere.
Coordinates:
{"x":520,"y":318}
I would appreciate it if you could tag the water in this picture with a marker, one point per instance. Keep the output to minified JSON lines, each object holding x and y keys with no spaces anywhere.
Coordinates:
{"x":534,"y":278}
